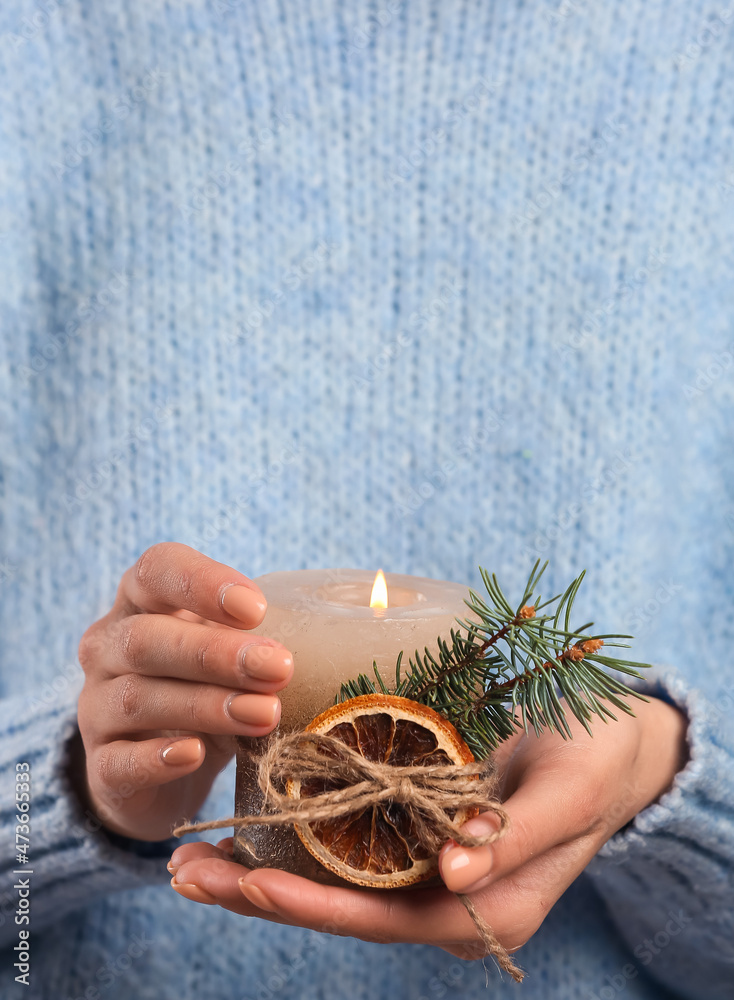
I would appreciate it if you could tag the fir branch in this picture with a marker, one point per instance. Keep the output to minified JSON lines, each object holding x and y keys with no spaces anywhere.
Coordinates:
{"x":510,"y":668}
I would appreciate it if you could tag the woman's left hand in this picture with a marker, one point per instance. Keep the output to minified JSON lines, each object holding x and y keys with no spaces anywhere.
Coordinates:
{"x":565,"y":798}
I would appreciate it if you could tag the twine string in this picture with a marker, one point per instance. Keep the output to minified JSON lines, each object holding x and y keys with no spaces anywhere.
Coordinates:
{"x":429,"y":794}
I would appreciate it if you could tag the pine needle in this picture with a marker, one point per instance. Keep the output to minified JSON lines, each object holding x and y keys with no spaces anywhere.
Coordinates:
{"x":509,"y":670}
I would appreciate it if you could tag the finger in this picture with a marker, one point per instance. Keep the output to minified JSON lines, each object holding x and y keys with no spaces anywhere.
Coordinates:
{"x":188,"y":616}
{"x":422,"y":916}
{"x":136,"y":779}
{"x":137,"y":787}
{"x":210,"y":880}
{"x":170,"y":576}
{"x":138,"y":704}
{"x":514,"y":907}
{"x":139,"y":764}
{"x":166,"y":646}
{"x":198,"y":851}
{"x":543,"y":813}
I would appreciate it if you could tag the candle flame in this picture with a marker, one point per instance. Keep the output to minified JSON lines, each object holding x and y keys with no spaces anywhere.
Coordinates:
{"x":379,"y":591}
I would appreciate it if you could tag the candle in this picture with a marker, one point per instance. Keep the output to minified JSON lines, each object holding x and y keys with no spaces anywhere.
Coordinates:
{"x":335,"y":622}
{"x":325,"y":619}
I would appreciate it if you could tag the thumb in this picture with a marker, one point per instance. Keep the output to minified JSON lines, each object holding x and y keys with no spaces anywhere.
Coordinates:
{"x":543,"y":814}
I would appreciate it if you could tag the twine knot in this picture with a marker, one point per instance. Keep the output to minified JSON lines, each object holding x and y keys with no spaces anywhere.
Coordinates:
{"x":404,"y":790}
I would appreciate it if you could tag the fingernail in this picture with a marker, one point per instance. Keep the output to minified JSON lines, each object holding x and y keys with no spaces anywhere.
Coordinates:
{"x":254,"y":709}
{"x":256,"y":896}
{"x":461,"y":868}
{"x":172,"y":868}
{"x":481,"y":826}
{"x":245,"y":604}
{"x":182,"y":752}
{"x":193,"y":892}
{"x":266,"y":663}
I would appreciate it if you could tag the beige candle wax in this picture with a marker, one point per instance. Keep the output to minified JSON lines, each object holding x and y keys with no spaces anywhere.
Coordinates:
{"x":324,"y":618}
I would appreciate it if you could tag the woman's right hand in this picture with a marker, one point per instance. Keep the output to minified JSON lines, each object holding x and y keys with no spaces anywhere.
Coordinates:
{"x":171,"y":677}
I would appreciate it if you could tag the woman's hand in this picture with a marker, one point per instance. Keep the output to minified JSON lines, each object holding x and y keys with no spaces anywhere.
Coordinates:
{"x":564,"y":800}
{"x":171,"y":679}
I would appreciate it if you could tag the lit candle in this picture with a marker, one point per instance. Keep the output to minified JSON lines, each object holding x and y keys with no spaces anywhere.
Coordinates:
{"x":335,"y":622}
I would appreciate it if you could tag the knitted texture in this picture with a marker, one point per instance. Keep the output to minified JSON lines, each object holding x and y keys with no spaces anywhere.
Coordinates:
{"x":424,"y":285}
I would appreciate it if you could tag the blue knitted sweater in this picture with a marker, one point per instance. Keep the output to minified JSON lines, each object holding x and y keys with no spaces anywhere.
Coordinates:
{"x":426,"y":285}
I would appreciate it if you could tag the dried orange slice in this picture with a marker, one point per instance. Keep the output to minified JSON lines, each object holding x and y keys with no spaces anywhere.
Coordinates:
{"x":377,"y":846}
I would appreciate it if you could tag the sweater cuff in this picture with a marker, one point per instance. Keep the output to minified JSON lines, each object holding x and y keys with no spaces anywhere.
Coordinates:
{"x":666,"y":877}
{"x":71,"y":858}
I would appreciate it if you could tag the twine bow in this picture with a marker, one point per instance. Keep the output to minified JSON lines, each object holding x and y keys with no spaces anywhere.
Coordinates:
{"x":429,"y":794}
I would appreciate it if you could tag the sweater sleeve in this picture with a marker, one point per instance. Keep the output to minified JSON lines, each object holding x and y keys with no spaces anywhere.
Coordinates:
{"x":71,"y":860}
{"x":667,"y":878}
